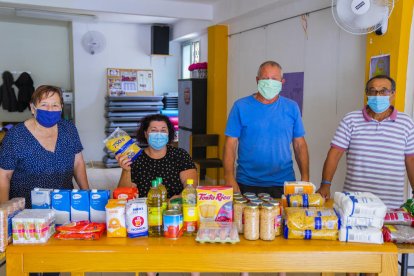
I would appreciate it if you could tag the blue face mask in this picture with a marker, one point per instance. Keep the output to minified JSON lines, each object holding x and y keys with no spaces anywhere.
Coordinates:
{"x":379,"y":104}
{"x":157,"y":140}
{"x":47,"y":118}
{"x":269,"y":88}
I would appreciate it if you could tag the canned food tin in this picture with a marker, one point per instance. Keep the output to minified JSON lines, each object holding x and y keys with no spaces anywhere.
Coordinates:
{"x":173,"y":224}
{"x":260,"y":195}
{"x":249,"y":194}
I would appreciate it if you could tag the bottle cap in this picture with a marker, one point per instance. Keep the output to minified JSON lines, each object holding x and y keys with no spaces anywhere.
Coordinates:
{"x":190,"y":181}
{"x":159,"y":179}
{"x":154,"y":183}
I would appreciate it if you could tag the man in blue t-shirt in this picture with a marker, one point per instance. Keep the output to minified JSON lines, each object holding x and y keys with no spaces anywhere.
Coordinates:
{"x":260,"y":129}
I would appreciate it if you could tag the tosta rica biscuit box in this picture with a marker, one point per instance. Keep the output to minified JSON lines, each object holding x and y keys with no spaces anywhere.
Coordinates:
{"x":215,"y":203}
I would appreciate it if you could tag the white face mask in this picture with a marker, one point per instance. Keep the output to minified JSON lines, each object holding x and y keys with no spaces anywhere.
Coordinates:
{"x":269,"y":88}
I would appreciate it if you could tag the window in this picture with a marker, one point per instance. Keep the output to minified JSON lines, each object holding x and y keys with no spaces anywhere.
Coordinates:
{"x":190,"y":54}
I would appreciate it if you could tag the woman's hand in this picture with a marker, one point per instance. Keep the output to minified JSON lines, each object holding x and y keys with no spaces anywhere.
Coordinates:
{"x":124,"y":162}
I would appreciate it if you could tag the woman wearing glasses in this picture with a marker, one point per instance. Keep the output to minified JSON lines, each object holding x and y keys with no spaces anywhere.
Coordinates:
{"x":42,"y":152}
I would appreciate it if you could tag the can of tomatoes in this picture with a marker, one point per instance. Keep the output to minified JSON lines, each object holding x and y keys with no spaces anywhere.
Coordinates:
{"x":173,"y":224}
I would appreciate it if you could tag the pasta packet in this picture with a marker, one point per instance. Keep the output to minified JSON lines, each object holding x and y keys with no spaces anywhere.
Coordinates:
{"x":331,"y":235}
{"x":119,"y":142}
{"x":311,"y":219}
{"x":305,"y":200}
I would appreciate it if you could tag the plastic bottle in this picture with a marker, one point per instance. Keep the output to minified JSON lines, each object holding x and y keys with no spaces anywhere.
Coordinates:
{"x":154,"y":201}
{"x":163,"y":193}
{"x":189,"y":196}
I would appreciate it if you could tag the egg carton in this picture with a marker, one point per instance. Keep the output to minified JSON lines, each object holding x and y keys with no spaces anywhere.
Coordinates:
{"x":217,"y":232}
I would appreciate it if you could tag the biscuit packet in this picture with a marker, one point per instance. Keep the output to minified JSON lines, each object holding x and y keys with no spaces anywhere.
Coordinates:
{"x":119,"y":142}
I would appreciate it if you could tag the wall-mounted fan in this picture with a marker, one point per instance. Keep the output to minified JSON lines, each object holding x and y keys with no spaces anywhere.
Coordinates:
{"x":362,"y":16}
{"x":93,"y":42}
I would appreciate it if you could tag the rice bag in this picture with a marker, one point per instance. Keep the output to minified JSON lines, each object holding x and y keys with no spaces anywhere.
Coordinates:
{"x":119,"y":142}
{"x":362,"y":206}
{"x":305,"y":200}
{"x":398,"y":233}
{"x":358,"y":221}
{"x":311,"y":218}
{"x":361,"y":234}
{"x":339,"y":196}
{"x":331,"y":235}
{"x":217,"y":232}
{"x":399,"y":216}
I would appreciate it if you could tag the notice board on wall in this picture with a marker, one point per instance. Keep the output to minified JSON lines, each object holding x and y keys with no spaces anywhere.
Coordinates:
{"x":130,"y":82}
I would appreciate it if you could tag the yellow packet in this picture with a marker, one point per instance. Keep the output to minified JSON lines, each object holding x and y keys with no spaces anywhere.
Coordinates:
{"x":119,"y":142}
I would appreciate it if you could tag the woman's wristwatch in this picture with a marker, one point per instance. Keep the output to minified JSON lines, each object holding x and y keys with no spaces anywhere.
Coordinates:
{"x":326,"y":182}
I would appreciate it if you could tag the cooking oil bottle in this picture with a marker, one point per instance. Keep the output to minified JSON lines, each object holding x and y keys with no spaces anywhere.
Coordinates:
{"x":164,"y":193}
{"x":154,"y":201}
{"x":189,"y":195}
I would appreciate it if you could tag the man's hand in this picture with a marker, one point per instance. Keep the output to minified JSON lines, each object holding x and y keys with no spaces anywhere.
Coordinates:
{"x":233,"y":183}
{"x":325,"y":191}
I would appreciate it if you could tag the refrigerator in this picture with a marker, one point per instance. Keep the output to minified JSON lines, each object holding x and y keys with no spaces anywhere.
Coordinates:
{"x":192,"y":115}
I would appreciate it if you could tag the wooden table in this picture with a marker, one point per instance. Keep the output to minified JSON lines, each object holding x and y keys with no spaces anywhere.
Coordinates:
{"x":185,"y":255}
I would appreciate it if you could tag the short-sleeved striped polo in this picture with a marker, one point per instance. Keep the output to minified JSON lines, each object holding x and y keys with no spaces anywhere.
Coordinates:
{"x":376,"y":153}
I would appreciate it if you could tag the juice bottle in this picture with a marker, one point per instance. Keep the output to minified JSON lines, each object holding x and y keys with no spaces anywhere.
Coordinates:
{"x":163,"y":193}
{"x":154,"y":201}
{"x":189,"y":196}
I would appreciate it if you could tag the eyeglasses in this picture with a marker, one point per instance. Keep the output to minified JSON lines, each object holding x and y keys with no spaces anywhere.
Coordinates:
{"x":382,"y":92}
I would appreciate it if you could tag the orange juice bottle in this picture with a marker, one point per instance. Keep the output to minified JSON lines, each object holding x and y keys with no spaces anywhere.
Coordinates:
{"x":164,"y":193}
{"x":154,"y":201}
{"x":190,"y":214}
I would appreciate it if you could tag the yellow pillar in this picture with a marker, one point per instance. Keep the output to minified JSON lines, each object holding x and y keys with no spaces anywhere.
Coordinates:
{"x":217,"y":87}
{"x":395,"y":42}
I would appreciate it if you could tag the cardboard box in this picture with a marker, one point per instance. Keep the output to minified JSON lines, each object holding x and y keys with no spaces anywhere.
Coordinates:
{"x":215,"y":203}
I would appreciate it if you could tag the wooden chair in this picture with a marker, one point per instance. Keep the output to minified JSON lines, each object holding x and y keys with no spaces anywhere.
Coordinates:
{"x":205,"y":141}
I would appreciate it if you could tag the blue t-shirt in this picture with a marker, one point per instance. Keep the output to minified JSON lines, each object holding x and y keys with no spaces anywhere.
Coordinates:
{"x":264,"y":132}
{"x":33,"y":165}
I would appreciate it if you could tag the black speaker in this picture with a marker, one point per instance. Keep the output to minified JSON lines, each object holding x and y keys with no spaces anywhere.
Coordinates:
{"x":160,"y":40}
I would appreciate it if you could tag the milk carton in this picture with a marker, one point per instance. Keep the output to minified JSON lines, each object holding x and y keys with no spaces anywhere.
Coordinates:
{"x":79,"y":205}
{"x":98,"y":199}
{"x":215,"y":203}
{"x":61,"y":206}
{"x":137,"y":218}
{"x":41,"y":198}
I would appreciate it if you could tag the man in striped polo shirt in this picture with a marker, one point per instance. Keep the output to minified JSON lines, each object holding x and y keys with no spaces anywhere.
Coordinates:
{"x":379,"y":142}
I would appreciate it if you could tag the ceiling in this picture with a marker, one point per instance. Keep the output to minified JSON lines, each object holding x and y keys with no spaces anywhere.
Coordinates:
{"x":124,"y":11}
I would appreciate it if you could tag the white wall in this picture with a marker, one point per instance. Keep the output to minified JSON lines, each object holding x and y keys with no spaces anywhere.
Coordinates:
{"x":127,"y":46}
{"x":332,"y":60}
{"x":38,"y":46}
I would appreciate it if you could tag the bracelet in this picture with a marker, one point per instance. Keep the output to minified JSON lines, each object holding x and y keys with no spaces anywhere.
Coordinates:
{"x":326,"y":182}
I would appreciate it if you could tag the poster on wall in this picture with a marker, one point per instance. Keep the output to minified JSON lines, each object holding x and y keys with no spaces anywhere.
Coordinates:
{"x":293,"y":87}
{"x":129,"y":82}
{"x":379,"y":65}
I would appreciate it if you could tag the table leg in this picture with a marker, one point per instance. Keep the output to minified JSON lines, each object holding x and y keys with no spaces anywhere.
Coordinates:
{"x":404,"y":264}
{"x":77,"y":274}
{"x":14,"y":265}
{"x":389,"y":265}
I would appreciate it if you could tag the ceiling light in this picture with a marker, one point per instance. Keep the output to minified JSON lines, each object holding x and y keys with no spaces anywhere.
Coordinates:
{"x":61,"y":16}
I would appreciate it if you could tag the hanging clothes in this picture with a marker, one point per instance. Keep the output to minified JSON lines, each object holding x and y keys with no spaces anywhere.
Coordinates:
{"x":7,"y":95}
{"x":25,"y":85}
